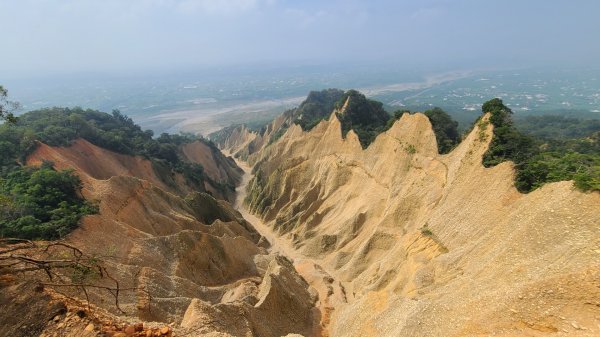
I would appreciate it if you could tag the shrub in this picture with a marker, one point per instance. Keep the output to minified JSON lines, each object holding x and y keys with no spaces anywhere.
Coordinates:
{"x":536,"y":162}
{"x":445,"y":129}
{"x":41,"y":203}
{"x":365,"y":116}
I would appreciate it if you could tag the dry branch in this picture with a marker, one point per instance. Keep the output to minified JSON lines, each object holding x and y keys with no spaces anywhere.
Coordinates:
{"x":73,"y":269}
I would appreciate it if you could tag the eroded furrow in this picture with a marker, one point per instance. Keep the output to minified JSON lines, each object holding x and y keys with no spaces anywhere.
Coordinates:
{"x":330,"y":291}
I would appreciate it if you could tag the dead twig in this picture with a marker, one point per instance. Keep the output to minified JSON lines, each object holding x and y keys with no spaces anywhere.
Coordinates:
{"x":74,"y":270}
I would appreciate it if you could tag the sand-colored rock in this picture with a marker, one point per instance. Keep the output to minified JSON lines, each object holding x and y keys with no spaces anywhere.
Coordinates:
{"x":427,"y":244}
{"x":240,"y":141}
{"x":283,"y":294}
{"x":393,"y":240}
{"x":243,"y":143}
{"x":216,"y":166}
{"x":92,"y":162}
{"x":175,"y":253}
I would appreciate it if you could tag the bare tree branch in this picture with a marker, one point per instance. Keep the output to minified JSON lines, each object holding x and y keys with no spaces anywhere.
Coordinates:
{"x":76,"y":270}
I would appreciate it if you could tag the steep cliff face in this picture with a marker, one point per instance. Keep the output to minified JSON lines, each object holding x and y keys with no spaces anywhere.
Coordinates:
{"x":217,"y":167}
{"x":245,"y":144}
{"x":93,"y":162}
{"x":182,"y":258}
{"x":201,"y":265}
{"x":428,"y":244}
{"x":237,"y":140}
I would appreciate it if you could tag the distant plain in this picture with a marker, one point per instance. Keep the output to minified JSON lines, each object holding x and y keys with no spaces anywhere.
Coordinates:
{"x":203,"y":102}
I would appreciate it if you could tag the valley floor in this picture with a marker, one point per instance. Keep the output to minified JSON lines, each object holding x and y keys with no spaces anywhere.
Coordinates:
{"x":278,"y":245}
{"x":331,"y":291}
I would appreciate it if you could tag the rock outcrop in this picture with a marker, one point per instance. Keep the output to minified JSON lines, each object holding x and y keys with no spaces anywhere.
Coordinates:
{"x":95,"y":163}
{"x":427,"y":244}
{"x":244,"y":144}
{"x":216,"y":166}
{"x":254,"y":315}
{"x":185,"y":259}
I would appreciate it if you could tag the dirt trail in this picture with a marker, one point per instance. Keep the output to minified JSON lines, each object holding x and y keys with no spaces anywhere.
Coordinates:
{"x":331,"y":292}
{"x":278,"y":244}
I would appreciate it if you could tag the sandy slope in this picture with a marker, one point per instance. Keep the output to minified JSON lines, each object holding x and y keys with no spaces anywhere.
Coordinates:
{"x":330,"y":292}
{"x":275,"y":243}
{"x":189,"y":260}
{"x":431,"y":245}
{"x":93,"y":162}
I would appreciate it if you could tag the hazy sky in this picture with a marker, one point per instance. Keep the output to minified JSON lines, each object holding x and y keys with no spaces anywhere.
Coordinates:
{"x":71,"y":36}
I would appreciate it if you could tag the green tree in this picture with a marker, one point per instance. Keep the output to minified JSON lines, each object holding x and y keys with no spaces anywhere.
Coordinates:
{"x":41,"y":203}
{"x":538,"y":162}
{"x":445,"y":129}
{"x":317,"y":106}
{"x":500,"y":114}
{"x":365,"y":116}
{"x":508,"y":143}
{"x":7,"y":108}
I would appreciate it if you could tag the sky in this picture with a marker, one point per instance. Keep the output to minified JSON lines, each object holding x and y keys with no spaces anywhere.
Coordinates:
{"x":46,"y":37}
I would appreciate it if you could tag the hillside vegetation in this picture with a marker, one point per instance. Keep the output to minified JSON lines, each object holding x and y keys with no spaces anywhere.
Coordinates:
{"x":365,"y":116}
{"x":42,"y":203}
{"x":539,"y":161}
{"x":317,"y":106}
{"x":556,"y":127}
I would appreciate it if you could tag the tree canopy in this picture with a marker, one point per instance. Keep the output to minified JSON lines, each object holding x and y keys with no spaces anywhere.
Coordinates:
{"x":365,"y":116}
{"x":445,"y":129}
{"x":556,"y":127}
{"x":40,"y":203}
{"x":21,"y":186}
{"x":7,"y":107}
{"x":317,"y":106}
{"x":538,"y":161}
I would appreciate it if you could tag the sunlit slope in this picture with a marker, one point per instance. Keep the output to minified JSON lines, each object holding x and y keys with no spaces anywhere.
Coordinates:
{"x":431,"y":244}
{"x":181,"y":256}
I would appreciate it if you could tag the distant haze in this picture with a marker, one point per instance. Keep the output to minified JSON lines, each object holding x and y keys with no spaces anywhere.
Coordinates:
{"x":46,"y":37}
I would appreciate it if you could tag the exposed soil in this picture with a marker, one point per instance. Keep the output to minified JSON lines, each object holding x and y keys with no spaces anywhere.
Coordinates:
{"x":427,"y":244}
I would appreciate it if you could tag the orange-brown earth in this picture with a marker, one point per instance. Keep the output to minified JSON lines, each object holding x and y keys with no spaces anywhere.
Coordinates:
{"x":424,"y":244}
{"x":184,"y":259}
{"x":95,"y":163}
{"x":392,"y":240}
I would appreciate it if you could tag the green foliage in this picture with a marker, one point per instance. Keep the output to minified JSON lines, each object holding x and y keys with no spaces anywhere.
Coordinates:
{"x":317,"y":106}
{"x":193,"y":172}
{"x":411,"y":149}
{"x":365,"y":116}
{"x":395,"y":116}
{"x":40,"y":203}
{"x":7,"y":107}
{"x":426,"y":231}
{"x":538,"y":162}
{"x":545,"y":167}
{"x":116,"y":132}
{"x":554,"y":127}
{"x":60,"y":126}
{"x":445,"y":129}
{"x":500,"y":114}
{"x":43,"y":203}
{"x":509,"y":144}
